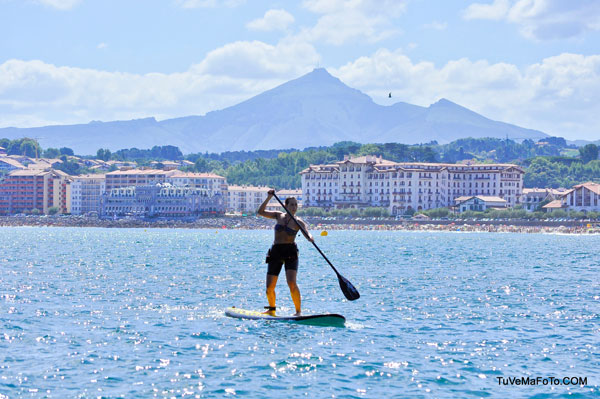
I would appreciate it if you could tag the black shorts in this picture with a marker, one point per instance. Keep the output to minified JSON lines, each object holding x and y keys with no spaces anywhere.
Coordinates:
{"x":281,"y":254}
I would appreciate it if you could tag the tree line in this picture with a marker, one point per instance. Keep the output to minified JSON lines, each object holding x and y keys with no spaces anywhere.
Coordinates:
{"x":544,"y":161}
{"x":546,"y":173}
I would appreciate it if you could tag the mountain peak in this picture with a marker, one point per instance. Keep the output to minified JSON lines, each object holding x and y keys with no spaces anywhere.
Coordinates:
{"x":443,"y":102}
{"x":319,"y":76}
{"x":444,"y":106}
{"x":320,"y":72}
{"x":311,"y":110}
{"x":317,"y":84}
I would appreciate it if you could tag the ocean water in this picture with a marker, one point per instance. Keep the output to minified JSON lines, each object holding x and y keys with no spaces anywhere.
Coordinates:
{"x":134,"y":313}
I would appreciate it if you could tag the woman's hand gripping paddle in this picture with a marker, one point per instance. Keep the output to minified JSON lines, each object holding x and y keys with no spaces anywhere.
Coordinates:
{"x":350,"y":292}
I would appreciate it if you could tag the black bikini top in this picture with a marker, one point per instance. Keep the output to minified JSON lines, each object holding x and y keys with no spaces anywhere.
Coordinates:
{"x":288,"y":230}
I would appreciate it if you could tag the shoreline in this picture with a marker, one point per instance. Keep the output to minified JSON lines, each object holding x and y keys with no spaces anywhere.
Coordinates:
{"x":315,"y":224}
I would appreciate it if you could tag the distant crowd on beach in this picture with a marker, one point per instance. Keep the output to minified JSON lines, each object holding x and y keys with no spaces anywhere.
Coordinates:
{"x":316,"y":224}
{"x":460,"y":227}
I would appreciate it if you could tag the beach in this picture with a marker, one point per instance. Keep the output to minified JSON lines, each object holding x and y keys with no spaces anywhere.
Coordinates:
{"x":315,"y":223}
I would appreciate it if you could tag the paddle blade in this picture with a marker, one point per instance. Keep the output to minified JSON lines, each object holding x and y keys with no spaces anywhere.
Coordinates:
{"x":350,"y":292}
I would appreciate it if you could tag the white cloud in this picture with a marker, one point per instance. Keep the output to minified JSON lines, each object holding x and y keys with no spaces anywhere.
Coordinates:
{"x":260,"y":60}
{"x":34,"y":91}
{"x":60,"y":4}
{"x":209,"y":3}
{"x":344,"y":20}
{"x":101,"y":46}
{"x":272,"y":20}
{"x":556,"y":96}
{"x":495,"y":11}
{"x":542,"y":19}
{"x":392,"y":8}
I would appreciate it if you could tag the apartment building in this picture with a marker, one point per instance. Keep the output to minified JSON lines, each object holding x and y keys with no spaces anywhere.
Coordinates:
{"x":27,"y":189}
{"x":62,"y":191}
{"x":245,"y":199}
{"x":161,"y":200}
{"x":581,"y":198}
{"x":215,"y":184}
{"x":371,"y":181}
{"x":121,"y":201}
{"x":286,"y":193}
{"x":86,"y":192}
{"x":136,"y":177}
{"x":533,"y":197}
{"x":274,"y":205}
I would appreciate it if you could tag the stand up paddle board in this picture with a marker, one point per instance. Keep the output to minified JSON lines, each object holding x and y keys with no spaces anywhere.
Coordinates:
{"x":327,"y":320}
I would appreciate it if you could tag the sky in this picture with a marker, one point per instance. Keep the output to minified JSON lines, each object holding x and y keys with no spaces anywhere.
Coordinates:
{"x":533,"y":63}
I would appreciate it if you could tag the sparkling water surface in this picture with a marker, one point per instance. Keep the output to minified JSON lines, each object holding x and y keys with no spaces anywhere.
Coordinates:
{"x":134,"y":313}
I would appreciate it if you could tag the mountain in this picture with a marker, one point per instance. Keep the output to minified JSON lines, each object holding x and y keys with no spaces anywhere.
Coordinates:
{"x":313,"y":110}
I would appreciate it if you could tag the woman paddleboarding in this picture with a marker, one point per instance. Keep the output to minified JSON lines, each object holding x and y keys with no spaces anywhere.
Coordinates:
{"x":284,"y":250}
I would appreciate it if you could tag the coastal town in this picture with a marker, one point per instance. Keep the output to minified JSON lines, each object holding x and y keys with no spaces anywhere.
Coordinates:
{"x":125,"y":190}
{"x":321,"y":199}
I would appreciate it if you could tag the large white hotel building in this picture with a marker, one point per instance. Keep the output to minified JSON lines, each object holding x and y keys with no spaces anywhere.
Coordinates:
{"x":370,"y":181}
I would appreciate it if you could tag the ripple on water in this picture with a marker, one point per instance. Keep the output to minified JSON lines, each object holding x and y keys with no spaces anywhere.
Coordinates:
{"x":133,"y":313}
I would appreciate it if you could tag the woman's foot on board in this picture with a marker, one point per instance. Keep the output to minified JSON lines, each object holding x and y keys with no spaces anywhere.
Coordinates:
{"x":270,"y":310}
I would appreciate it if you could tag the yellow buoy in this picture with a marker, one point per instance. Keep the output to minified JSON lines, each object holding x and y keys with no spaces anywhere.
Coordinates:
{"x":324,"y":233}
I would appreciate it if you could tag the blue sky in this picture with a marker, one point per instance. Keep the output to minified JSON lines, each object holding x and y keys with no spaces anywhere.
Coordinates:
{"x":535,"y":63}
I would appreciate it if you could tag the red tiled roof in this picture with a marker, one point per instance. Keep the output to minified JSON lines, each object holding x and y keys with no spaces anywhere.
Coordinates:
{"x":594,"y":187}
{"x":556,"y":204}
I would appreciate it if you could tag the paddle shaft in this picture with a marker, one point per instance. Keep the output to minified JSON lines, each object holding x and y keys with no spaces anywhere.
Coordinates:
{"x":306,"y":234}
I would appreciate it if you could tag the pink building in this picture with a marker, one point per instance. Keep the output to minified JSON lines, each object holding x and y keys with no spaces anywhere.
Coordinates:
{"x":28,"y":189}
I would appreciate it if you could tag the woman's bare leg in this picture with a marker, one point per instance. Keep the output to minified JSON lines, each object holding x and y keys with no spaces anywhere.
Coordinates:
{"x":271,"y":283}
{"x":290,"y":276}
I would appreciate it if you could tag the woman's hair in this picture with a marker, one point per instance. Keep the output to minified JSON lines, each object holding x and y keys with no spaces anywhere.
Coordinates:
{"x":288,"y":199}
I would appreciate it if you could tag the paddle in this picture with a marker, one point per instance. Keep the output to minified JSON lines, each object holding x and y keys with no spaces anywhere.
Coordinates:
{"x":350,"y":292}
